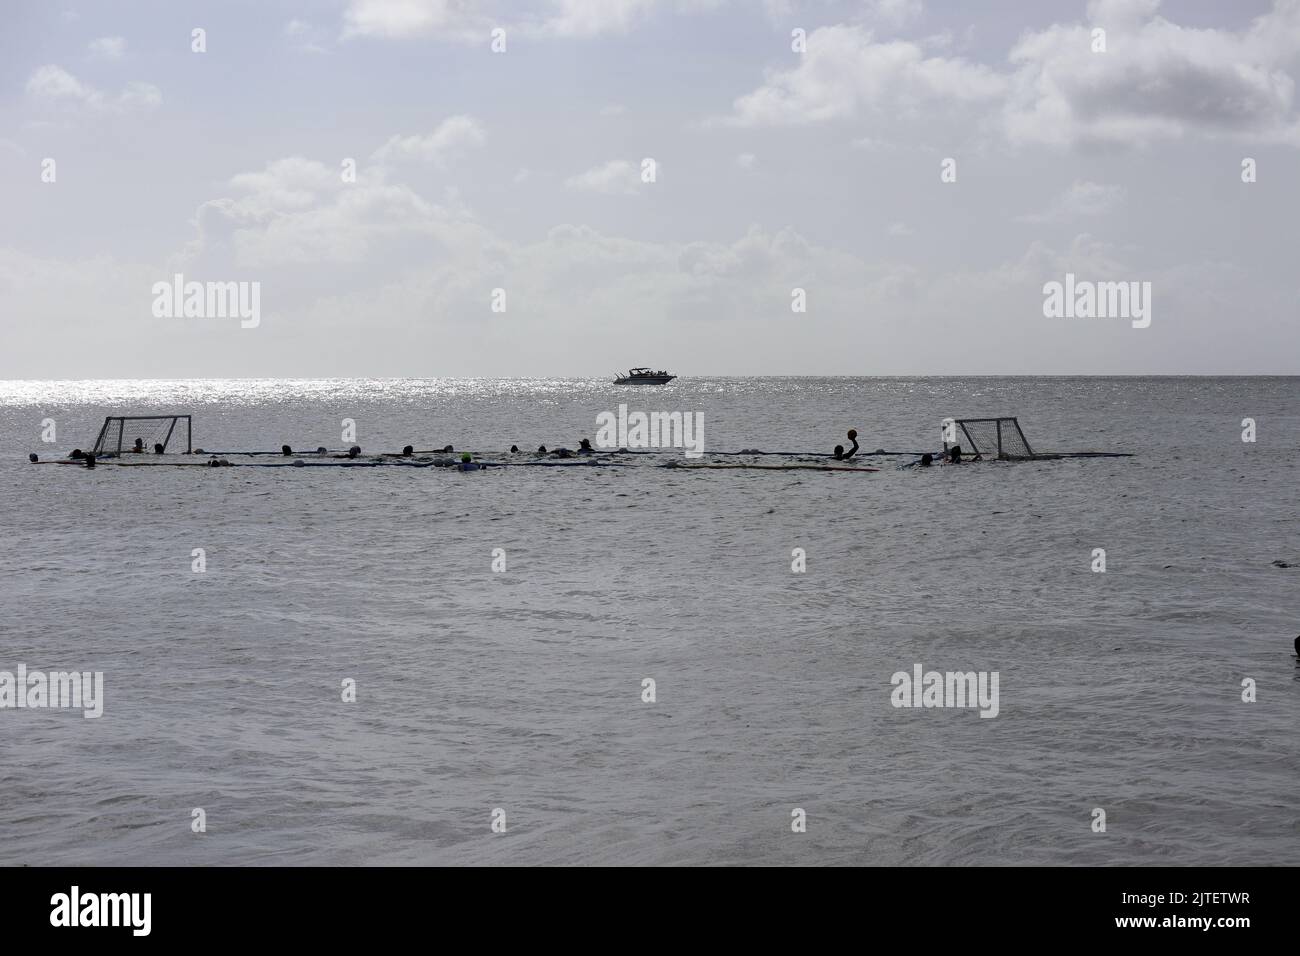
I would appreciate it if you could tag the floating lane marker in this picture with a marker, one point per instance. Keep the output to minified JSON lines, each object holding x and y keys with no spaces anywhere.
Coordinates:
{"x":756,"y":467}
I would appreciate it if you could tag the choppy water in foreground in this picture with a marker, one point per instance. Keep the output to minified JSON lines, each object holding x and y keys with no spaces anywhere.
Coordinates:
{"x":522,"y":690}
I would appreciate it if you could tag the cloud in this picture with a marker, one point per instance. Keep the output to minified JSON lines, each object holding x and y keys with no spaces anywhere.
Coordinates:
{"x":900,"y":229}
{"x":588,"y":18}
{"x":471,"y":20}
{"x":55,"y":85}
{"x":286,"y":185}
{"x":306,"y":37}
{"x":301,"y":211}
{"x":112,"y":48}
{"x":452,"y":136}
{"x":298,"y":211}
{"x":1155,"y":81}
{"x":1082,"y":199}
{"x":403,"y":18}
{"x":616,"y":177}
{"x":895,"y":13}
{"x":746,"y":160}
{"x":845,"y":72}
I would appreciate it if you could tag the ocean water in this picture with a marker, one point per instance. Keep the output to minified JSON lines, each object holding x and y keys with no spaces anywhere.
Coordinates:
{"x":522,"y":690}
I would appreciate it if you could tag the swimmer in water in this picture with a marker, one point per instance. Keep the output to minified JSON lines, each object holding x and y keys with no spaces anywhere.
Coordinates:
{"x":840,"y":454}
{"x":954,"y":455}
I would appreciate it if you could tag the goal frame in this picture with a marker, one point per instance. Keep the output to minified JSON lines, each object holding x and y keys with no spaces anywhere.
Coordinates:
{"x":973,"y":447}
{"x":171,"y":429}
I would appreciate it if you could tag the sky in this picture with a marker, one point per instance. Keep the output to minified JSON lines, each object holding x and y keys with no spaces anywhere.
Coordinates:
{"x":716,"y":187}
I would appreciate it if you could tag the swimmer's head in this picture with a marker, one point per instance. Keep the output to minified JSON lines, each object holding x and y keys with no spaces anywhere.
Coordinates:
{"x":464,"y":456}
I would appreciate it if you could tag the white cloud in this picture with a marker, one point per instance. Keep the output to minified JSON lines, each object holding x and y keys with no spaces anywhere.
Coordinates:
{"x":1156,"y":81}
{"x":299,"y":211}
{"x":1082,"y":199}
{"x":588,"y":18}
{"x":53,"y":84}
{"x":404,"y":18}
{"x":846,"y":72}
{"x":112,"y":48}
{"x":746,"y":160}
{"x":141,"y":96}
{"x":900,"y":229}
{"x":895,"y":13}
{"x":471,"y":20}
{"x":618,"y":176}
{"x":286,"y":185}
{"x":452,"y":136}
{"x":306,"y":37}
{"x":1121,"y":13}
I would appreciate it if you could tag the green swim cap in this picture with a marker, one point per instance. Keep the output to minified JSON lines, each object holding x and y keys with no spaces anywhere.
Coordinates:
{"x":464,"y":456}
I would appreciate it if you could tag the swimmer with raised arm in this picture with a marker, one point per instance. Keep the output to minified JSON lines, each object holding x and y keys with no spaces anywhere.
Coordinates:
{"x":840,"y":454}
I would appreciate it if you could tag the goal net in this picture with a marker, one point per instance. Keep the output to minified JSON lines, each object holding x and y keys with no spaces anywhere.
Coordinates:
{"x":988,"y":437}
{"x":128,"y":434}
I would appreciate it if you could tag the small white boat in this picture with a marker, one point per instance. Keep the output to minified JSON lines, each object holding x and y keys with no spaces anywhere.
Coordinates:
{"x":643,"y":376}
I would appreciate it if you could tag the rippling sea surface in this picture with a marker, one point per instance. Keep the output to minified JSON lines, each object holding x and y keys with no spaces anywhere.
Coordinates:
{"x":522,"y":690}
